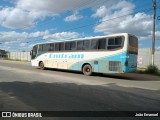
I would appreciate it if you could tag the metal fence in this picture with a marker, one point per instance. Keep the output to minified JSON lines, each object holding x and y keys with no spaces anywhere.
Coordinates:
{"x":144,"y":57}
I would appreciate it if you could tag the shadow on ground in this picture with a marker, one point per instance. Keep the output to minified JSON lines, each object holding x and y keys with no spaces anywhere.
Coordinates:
{"x":124,"y":76}
{"x":72,"y":97}
{"x":133,"y":76}
{"x":69,"y":96}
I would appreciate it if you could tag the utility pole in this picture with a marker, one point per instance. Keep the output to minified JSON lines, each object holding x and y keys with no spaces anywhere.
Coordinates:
{"x":153,"y":32}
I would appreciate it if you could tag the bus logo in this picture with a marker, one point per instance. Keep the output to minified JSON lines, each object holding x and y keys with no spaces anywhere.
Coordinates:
{"x":67,"y":56}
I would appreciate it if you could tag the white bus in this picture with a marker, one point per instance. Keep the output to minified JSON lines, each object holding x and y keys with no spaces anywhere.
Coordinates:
{"x":102,"y":54}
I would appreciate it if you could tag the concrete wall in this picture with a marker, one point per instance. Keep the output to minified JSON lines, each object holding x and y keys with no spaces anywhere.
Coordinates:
{"x":19,"y":55}
{"x":157,"y":58}
{"x":144,"y":58}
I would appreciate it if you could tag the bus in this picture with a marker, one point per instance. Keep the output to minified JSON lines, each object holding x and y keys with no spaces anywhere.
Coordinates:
{"x":115,"y":53}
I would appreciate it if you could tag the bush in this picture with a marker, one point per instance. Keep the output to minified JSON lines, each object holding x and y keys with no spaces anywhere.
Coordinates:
{"x":152,"y":69}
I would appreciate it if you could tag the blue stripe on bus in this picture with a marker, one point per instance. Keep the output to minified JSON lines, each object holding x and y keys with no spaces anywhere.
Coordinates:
{"x":118,"y":57}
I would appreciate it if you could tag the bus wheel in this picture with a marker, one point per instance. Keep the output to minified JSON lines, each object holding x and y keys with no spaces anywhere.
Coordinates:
{"x":87,"y":70}
{"x":41,"y":65}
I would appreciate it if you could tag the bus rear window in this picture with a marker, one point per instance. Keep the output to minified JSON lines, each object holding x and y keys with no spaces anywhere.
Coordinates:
{"x":133,"y":41}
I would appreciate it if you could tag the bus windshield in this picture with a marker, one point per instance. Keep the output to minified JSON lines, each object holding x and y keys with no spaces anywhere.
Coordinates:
{"x":34,"y":52}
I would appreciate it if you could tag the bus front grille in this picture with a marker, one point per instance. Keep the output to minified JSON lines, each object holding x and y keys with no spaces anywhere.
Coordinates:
{"x":114,"y":66}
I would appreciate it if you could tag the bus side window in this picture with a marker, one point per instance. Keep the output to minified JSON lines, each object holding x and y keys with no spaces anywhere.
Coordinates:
{"x":111,"y":41}
{"x":114,"y":43}
{"x":61,"y":46}
{"x":102,"y":44}
{"x":94,"y":44}
{"x":72,"y":46}
{"x":56,"y":46}
{"x":79,"y":45}
{"x":40,"y":50}
{"x":40,"y":47}
{"x":67,"y":46}
{"x":118,"y":41}
{"x":46,"y":47}
{"x":52,"y":47}
{"x":86,"y":45}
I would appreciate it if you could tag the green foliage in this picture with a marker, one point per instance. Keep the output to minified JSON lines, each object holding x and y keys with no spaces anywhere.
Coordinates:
{"x":152,"y":69}
{"x":6,"y":58}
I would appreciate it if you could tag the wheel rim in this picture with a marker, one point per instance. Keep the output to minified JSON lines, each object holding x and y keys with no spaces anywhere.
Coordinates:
{"x":87,"y":70}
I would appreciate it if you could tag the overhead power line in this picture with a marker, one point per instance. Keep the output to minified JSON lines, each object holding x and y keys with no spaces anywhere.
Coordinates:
{"x":87,"y":25}
{"x":78,"y":7}
{"x":144,"y":10}
{"x":73,"y":9}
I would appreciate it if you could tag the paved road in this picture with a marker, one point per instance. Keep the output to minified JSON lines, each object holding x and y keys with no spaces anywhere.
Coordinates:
{"x":23,"y":87}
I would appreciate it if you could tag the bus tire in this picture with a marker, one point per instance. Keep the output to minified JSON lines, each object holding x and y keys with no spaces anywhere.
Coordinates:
{"x":87,"y":70}
{"x":41,"y":66}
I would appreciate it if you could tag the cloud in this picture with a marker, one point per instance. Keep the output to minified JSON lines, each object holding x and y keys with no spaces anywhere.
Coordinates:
{"x":16,"y":40}
{"x":25,"y":12}
{"x":23,"y":44}
{"x":55,"y":6}
{"x":17,"y":36}
{"x":73,"y":17}
{"x":158,"y":48}
{"x":108,"y":12}
{"x":12,"y":36}
{"x":157,"y":34}
{"x":62,"y":35}
{"x":16,"y":18}
{"x":101,"y":12}
{"x":110,"y":22}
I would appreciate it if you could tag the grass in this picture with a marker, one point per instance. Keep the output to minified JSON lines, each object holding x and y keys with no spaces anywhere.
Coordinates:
{"x":151,"y":69}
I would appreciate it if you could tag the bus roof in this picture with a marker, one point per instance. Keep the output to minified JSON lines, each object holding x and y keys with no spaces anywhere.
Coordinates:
{"x":86,"y":38}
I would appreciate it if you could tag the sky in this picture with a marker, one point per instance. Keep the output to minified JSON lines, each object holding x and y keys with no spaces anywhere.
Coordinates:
{"x":24,"y":23}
